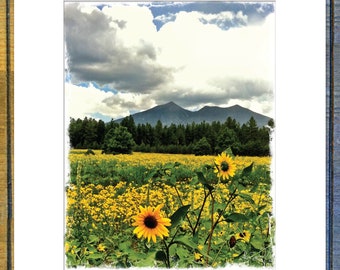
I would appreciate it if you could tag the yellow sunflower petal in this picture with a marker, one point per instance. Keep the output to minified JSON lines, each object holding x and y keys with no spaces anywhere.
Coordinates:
{"x":225,"y":166}
{"x":150,"y":223}
{"x":153,"y":238}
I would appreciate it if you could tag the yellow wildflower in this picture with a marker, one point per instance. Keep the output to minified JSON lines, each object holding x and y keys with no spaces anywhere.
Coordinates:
{"x":198,"y":256}
{"x":101,"y":247}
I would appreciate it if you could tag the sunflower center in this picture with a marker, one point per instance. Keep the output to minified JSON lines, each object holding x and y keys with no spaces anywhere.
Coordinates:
{"x":150,"y":222}
{"x":224,"y":166}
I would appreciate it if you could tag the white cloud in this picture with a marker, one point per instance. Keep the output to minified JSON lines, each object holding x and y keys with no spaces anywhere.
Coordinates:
{"x":241,"y":16}
{"x":164,"y":18}
{"x":207,"y":51}
{"x":139,"y":25}
{"x":84,"y":102}
{"x":203,"y":54}
{"x":187,"y":58}
{"x":263,"y":107}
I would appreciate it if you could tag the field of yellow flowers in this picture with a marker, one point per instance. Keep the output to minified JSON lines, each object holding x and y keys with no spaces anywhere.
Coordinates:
{"x":168,"y":210}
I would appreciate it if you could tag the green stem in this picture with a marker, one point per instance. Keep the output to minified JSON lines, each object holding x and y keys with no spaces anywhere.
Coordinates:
{"x":186,"y":215}
{"x":148,"y":195}
{"x":231,"y":198}
{"x":258,"y":212}
{"x":212,"y":225}
{"x":200,"y":213}
{"x":172,"y":239}
{"x":167,"y":255}
{"x":218,"y":253}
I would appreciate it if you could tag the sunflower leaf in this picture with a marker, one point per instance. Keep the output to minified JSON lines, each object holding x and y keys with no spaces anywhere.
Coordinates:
{"x":247,"y":170}
{"x":95,"y":256}
{"x":171,"y":181}
{"x":203,"y":181}
{"x":160,"y":256}
{"x":93,"y":238}
{"x":201,"y":178}
{"x":185,"y":241}
{"x":146,"y":260}
{"x":229,"y":152}
{"x":256,"y":241}
{"x":236,"y":217}
{"x":179,"y":215}
{"x":246,"y":197}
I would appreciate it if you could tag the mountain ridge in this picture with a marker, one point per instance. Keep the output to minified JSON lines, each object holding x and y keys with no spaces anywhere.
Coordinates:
{"x":171,"y":113}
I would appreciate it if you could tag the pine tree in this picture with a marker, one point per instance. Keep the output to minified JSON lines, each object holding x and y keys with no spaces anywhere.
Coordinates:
{"x":118,"y":141}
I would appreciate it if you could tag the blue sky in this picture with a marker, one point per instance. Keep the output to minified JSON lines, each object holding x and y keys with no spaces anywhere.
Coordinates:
{"x":122,"y":58}
{"x":255,"y":12}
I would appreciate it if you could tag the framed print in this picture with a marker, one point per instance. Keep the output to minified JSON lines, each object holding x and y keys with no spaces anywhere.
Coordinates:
{"x":83,"y":66}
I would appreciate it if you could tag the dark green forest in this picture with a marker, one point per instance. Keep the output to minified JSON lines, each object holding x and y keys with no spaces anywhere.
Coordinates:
{"x":196,"y":138}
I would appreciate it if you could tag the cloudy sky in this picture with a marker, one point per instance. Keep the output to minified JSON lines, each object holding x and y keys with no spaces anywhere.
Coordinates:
{"x":122,"y":58}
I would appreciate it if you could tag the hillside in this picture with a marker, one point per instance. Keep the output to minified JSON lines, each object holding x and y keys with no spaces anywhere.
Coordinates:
{"x":171,"y":113}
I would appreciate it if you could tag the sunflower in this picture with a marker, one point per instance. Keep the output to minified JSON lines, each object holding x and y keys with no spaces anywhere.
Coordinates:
{"x":225,"y":166}
{"x":150,"y":223}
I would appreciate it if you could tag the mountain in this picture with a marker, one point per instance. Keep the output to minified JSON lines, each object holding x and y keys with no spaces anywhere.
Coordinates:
{"x":171,"y":113}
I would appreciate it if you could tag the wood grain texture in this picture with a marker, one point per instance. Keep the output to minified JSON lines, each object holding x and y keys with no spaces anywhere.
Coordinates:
{"x":6,"y":133}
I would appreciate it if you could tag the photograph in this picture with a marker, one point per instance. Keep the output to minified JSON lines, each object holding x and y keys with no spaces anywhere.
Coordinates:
{"x":169,"y":134}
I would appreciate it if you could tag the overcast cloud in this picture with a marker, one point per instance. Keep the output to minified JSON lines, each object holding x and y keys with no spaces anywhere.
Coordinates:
{"x":139,"y":56}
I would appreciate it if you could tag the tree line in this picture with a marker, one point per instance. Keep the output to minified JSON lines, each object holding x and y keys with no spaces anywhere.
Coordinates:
{"x":196,"y":138}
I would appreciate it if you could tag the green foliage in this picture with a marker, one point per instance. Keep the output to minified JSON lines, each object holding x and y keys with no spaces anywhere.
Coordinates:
{"x":236,"y":217}
{"x":271,"y":123}
{"x":246,"y":140}
{"x":229,"y":152}
{"x":247,"y":170}
{"x":118,"y":141}
{"x":179,"y":215}
{"x":86,"y":133}
{"x":129,"y":123}
{"x":228,"y":138}
{"x":160,"y":256}
{"x":202,"y":147}
{"x":89,"y":152}
{"x":233,"y":223}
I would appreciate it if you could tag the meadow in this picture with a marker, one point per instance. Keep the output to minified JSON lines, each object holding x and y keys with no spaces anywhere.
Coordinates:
{"x":168,"y":210}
